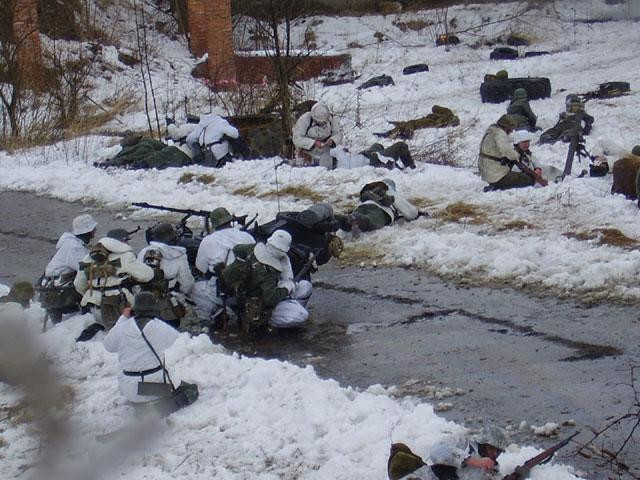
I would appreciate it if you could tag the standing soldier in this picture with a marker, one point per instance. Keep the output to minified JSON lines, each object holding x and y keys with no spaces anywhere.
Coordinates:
{"x":173,"y":279}
{"x":105,"y":279}
{"x":57,"y":293}
{"x":214,"y":253}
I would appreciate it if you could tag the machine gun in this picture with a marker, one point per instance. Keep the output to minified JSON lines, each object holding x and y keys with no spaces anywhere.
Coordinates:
{"x":575,"y":136}
{"x":185,"y":211}
{"x":522,"y":471}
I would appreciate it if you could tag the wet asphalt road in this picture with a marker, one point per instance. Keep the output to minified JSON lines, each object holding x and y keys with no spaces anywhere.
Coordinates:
{"x":484,"y":355}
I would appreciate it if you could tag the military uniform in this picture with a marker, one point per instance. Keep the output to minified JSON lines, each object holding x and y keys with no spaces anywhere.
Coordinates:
{"x":316,"y":125}
{"x":214,"y":252}
{"x":496,"y":153}
{"x":521,"y":112}
{"x":176,"y":283}
{"x":105,"y":288}
{"x":381,"y":205}
{"x":261,"y":279}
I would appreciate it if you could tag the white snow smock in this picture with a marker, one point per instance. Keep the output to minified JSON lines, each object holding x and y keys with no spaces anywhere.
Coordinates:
{"x":209,"y":133}
{"x":70,"y":251}
{"x":306,"y":131}
{"x":495,"y":143}
{"x":134,"y":355}
{"x":130,"y":267}
{"x":215,"y":248}
{"x":174,"y":264}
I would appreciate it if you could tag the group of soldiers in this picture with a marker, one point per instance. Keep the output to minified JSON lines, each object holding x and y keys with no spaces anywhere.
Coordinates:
{"x":506,"y":144}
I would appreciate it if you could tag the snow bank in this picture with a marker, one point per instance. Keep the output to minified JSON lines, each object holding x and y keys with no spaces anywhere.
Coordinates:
{"x":255,"y":419}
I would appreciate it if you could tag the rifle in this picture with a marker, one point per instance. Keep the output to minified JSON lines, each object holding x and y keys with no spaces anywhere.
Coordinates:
{"x":576,"y":133}
{"x":532,"y":173}
{"x":305,"y":268}
{"x":186,"y":211}
{"x":522,"y":471}
{"x":529,"y":171}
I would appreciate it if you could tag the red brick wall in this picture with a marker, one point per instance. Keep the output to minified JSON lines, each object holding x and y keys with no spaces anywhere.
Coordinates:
{"x":26,"y":34}
{"x":198,"y":25}
{"x":220,"y":42}
{"x":256,"y":69}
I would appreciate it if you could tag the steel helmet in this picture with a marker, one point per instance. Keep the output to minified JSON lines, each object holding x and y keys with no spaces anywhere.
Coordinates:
{"x":280,"y":240}
{"x":119,"y":234}
{"x":444,"y":454}
{"x":219,"y":217}
{"x":519,"y":94}
{"x":165,"y":233}
{"x":493,"y":436}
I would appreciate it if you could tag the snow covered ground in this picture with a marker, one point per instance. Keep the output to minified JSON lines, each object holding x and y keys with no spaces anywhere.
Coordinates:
{"x":270,"y":419}
{"x":255,"y":419}
{"x":526,"y":237}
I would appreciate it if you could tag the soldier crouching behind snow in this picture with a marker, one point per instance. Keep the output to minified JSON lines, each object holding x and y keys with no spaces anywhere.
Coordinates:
{"x":261,"y":280}
{"x":214,"y":254}
{"x":139,"y":338}
{"x":104,"y":280}
{"x":57,"y":293}
{"x":172,"y":276}
{"x":381,"y":205}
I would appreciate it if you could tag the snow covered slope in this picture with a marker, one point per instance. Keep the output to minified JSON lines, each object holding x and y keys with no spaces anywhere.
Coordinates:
{"x":544,"y":238}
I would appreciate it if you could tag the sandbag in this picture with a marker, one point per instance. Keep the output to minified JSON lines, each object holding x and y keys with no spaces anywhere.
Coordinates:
{"x":625,"y":173}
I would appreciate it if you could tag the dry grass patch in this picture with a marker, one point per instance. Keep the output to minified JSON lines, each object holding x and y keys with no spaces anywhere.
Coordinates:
{"x":456,"y":212}
{"x":359,"y":253}
{"x":249,"y":191}
{"x":205,"y":179}
{"x":17,"y":414}
{"x":422,"y":202}
{"x":297,"y":191}
{"x":605,"y":236}
{"x":516,"y":225}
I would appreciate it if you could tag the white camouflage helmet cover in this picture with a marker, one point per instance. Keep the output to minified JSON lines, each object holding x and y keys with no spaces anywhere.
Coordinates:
{"x":320,"y":113}
{"x":84,"y":223}
{"x":445,"y":454}
{"x":390,"y":183}
{"x":521,"y":136}
{"x":280,"y":240}
{"x":493,"y":436}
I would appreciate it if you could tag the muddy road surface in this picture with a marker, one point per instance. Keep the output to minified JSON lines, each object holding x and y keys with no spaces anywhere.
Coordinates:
{"x":479,"y":355}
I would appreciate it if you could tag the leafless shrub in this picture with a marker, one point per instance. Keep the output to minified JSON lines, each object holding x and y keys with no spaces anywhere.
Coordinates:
{"x":602,"y":447}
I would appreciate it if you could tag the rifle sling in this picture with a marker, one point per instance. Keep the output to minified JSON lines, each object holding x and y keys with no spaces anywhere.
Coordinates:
{"x":164,"y":369}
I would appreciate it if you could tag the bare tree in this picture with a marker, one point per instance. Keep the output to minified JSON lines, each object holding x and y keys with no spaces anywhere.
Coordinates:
{"x":274,"y":21}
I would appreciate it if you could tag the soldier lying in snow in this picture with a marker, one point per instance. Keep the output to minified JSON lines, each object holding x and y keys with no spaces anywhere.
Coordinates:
{"x":381,"y":205}
{"x":395,"y":156}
